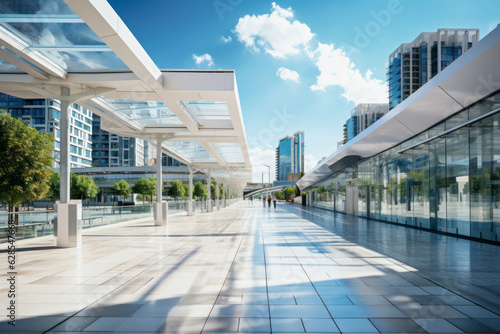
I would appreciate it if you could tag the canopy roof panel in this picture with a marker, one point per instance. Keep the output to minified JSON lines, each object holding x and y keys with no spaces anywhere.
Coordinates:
{"x":51,"y":31}
{"x":84,"y":46}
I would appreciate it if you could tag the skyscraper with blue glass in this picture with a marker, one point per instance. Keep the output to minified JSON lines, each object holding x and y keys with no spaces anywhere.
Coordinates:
{"x":412,"y":64}
{"x":290,"y":156}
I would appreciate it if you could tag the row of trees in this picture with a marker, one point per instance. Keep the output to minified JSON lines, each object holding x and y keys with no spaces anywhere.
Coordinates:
{"x":146,"y":187}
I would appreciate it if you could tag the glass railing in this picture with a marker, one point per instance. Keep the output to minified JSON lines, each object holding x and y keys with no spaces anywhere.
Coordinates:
{"x":33,"y":224}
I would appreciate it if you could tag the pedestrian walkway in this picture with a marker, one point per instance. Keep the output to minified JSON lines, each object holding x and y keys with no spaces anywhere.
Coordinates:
{"x":254,"y":269}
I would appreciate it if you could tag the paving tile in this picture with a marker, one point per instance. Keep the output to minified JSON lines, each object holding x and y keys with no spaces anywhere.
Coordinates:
{"x":287,"y":325}
{"x":320,"y":326}
{"x":476,"y":312}
{"x":216,"y":324}
{"x":362,"y":311}
{"x":174,"y":325}
{"x":369,"y":300}
{"x":397,"y":326}
{"x":472,"y":326}
{"x":355,"y":326}
{"x":299,"y":311}
{"x":137,"y":325}
{"x":437,"y":326}
{"x":75,"y":324}
{"x":106,"y":324}
{"x":431,"y":311}
{"x":255,"y":325}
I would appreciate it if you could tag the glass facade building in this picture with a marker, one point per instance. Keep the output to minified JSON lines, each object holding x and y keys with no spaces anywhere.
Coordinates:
{"x":445,"y":179}
{"x":363,"y":116}
{"x":44,"y":115}
{"x":290,"y":156}
{"x":412,"y":64}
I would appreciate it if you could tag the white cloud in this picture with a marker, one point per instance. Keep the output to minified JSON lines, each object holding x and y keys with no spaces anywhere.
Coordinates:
{"x":226,"y":39}
{"x":286,"y":74}
{"x":277,"y":33}
{"x":258,"y":158}
{"x":336,"y":69}
{"x":310,"y":162}
{"x":203,"y":58}
{"x":280,"y":35}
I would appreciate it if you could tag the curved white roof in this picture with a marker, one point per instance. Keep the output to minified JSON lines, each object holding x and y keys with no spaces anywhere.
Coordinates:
{"x":85,"y":46}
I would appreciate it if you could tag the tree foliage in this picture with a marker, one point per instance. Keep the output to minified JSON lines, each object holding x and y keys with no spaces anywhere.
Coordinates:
{"x":186,"y":190}
{"x":122,"y":188}
{"x":81,"y":187}
{"x":279,"y":195}
{"x":145,"y":187}
{"x":177,"y":190}
{"x":289,"y":193}
{"x":25,"y":161}
{"x":200,"y":190}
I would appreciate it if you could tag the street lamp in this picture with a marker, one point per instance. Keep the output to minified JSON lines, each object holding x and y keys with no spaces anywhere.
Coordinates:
{"x":269,"y":172}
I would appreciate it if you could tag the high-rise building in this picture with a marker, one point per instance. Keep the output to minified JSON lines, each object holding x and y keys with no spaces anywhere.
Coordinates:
{"x":362,"y":116}
{"x":167,"y":161}
{"x":110,"y":150}
{"x":290,"y":156}
{"x":45,"y":116}
{"x":412,"y":64}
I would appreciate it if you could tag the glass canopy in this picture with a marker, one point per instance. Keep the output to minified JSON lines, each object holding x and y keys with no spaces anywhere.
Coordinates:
{"x":206,"y":110}
{"x":191,"y":150}
{"x":150,"y":114}
{"x":230,"y":152}
{"x":53,"y":31}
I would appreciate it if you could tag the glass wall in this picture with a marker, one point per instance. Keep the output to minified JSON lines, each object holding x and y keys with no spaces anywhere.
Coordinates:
{"x":449,"y":184}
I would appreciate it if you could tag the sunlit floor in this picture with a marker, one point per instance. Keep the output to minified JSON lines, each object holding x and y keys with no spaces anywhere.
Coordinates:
{"x":254,"y":269}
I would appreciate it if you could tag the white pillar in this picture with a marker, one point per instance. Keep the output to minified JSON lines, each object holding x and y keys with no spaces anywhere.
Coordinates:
{"x":65,"y":164}
{"x":209,"y":197}
{"x":69,"y":214}
{"x":190,"y":201}
{"x":218,"y":195}
{"x":160,"y":208}
{"x":223,"y":194}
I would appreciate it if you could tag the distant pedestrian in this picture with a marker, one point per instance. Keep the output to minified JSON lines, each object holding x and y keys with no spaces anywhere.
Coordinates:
{"x":274,"y":201}
{"x":269,"y":200}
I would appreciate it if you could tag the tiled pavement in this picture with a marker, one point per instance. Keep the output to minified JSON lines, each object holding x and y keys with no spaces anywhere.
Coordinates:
{"x":254,"y":269}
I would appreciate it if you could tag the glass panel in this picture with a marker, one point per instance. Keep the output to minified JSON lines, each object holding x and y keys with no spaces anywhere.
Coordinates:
{"x":485,"y":106}
{"x":457,"y":176}
{"x":193,"y":151}
{"x":230,"y":152}
{"x":481,"y":149}
{"x":147,"y":113}
{"x":54,"y":31}
{"x":206,"y":110}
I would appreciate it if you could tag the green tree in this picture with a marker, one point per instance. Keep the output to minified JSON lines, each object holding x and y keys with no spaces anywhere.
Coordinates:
{"x":186,"y":190}
{"x":288,"y":192}
{"x":200,"y":190}
{"x":213,"y":190}
{"x":123,"y":189}
{"x":25,"y":161}
{"x":177,"y":190}
{"x":83,"y":187}
{"x":279,"y":195}
{"x":54,"y":187}
{"x":145,"y":186}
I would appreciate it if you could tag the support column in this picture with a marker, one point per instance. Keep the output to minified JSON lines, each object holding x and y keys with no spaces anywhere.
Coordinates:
{"x":223,"y":194}
{"x":69,"y":213}
{"x":209,"y":197}
{"x":160,"y":207}
{"x":218,"y":195}
{"x":190,"y":201}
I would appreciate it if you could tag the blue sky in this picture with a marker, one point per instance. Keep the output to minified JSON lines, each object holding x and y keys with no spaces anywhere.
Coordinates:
{"x":300,"y":65}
